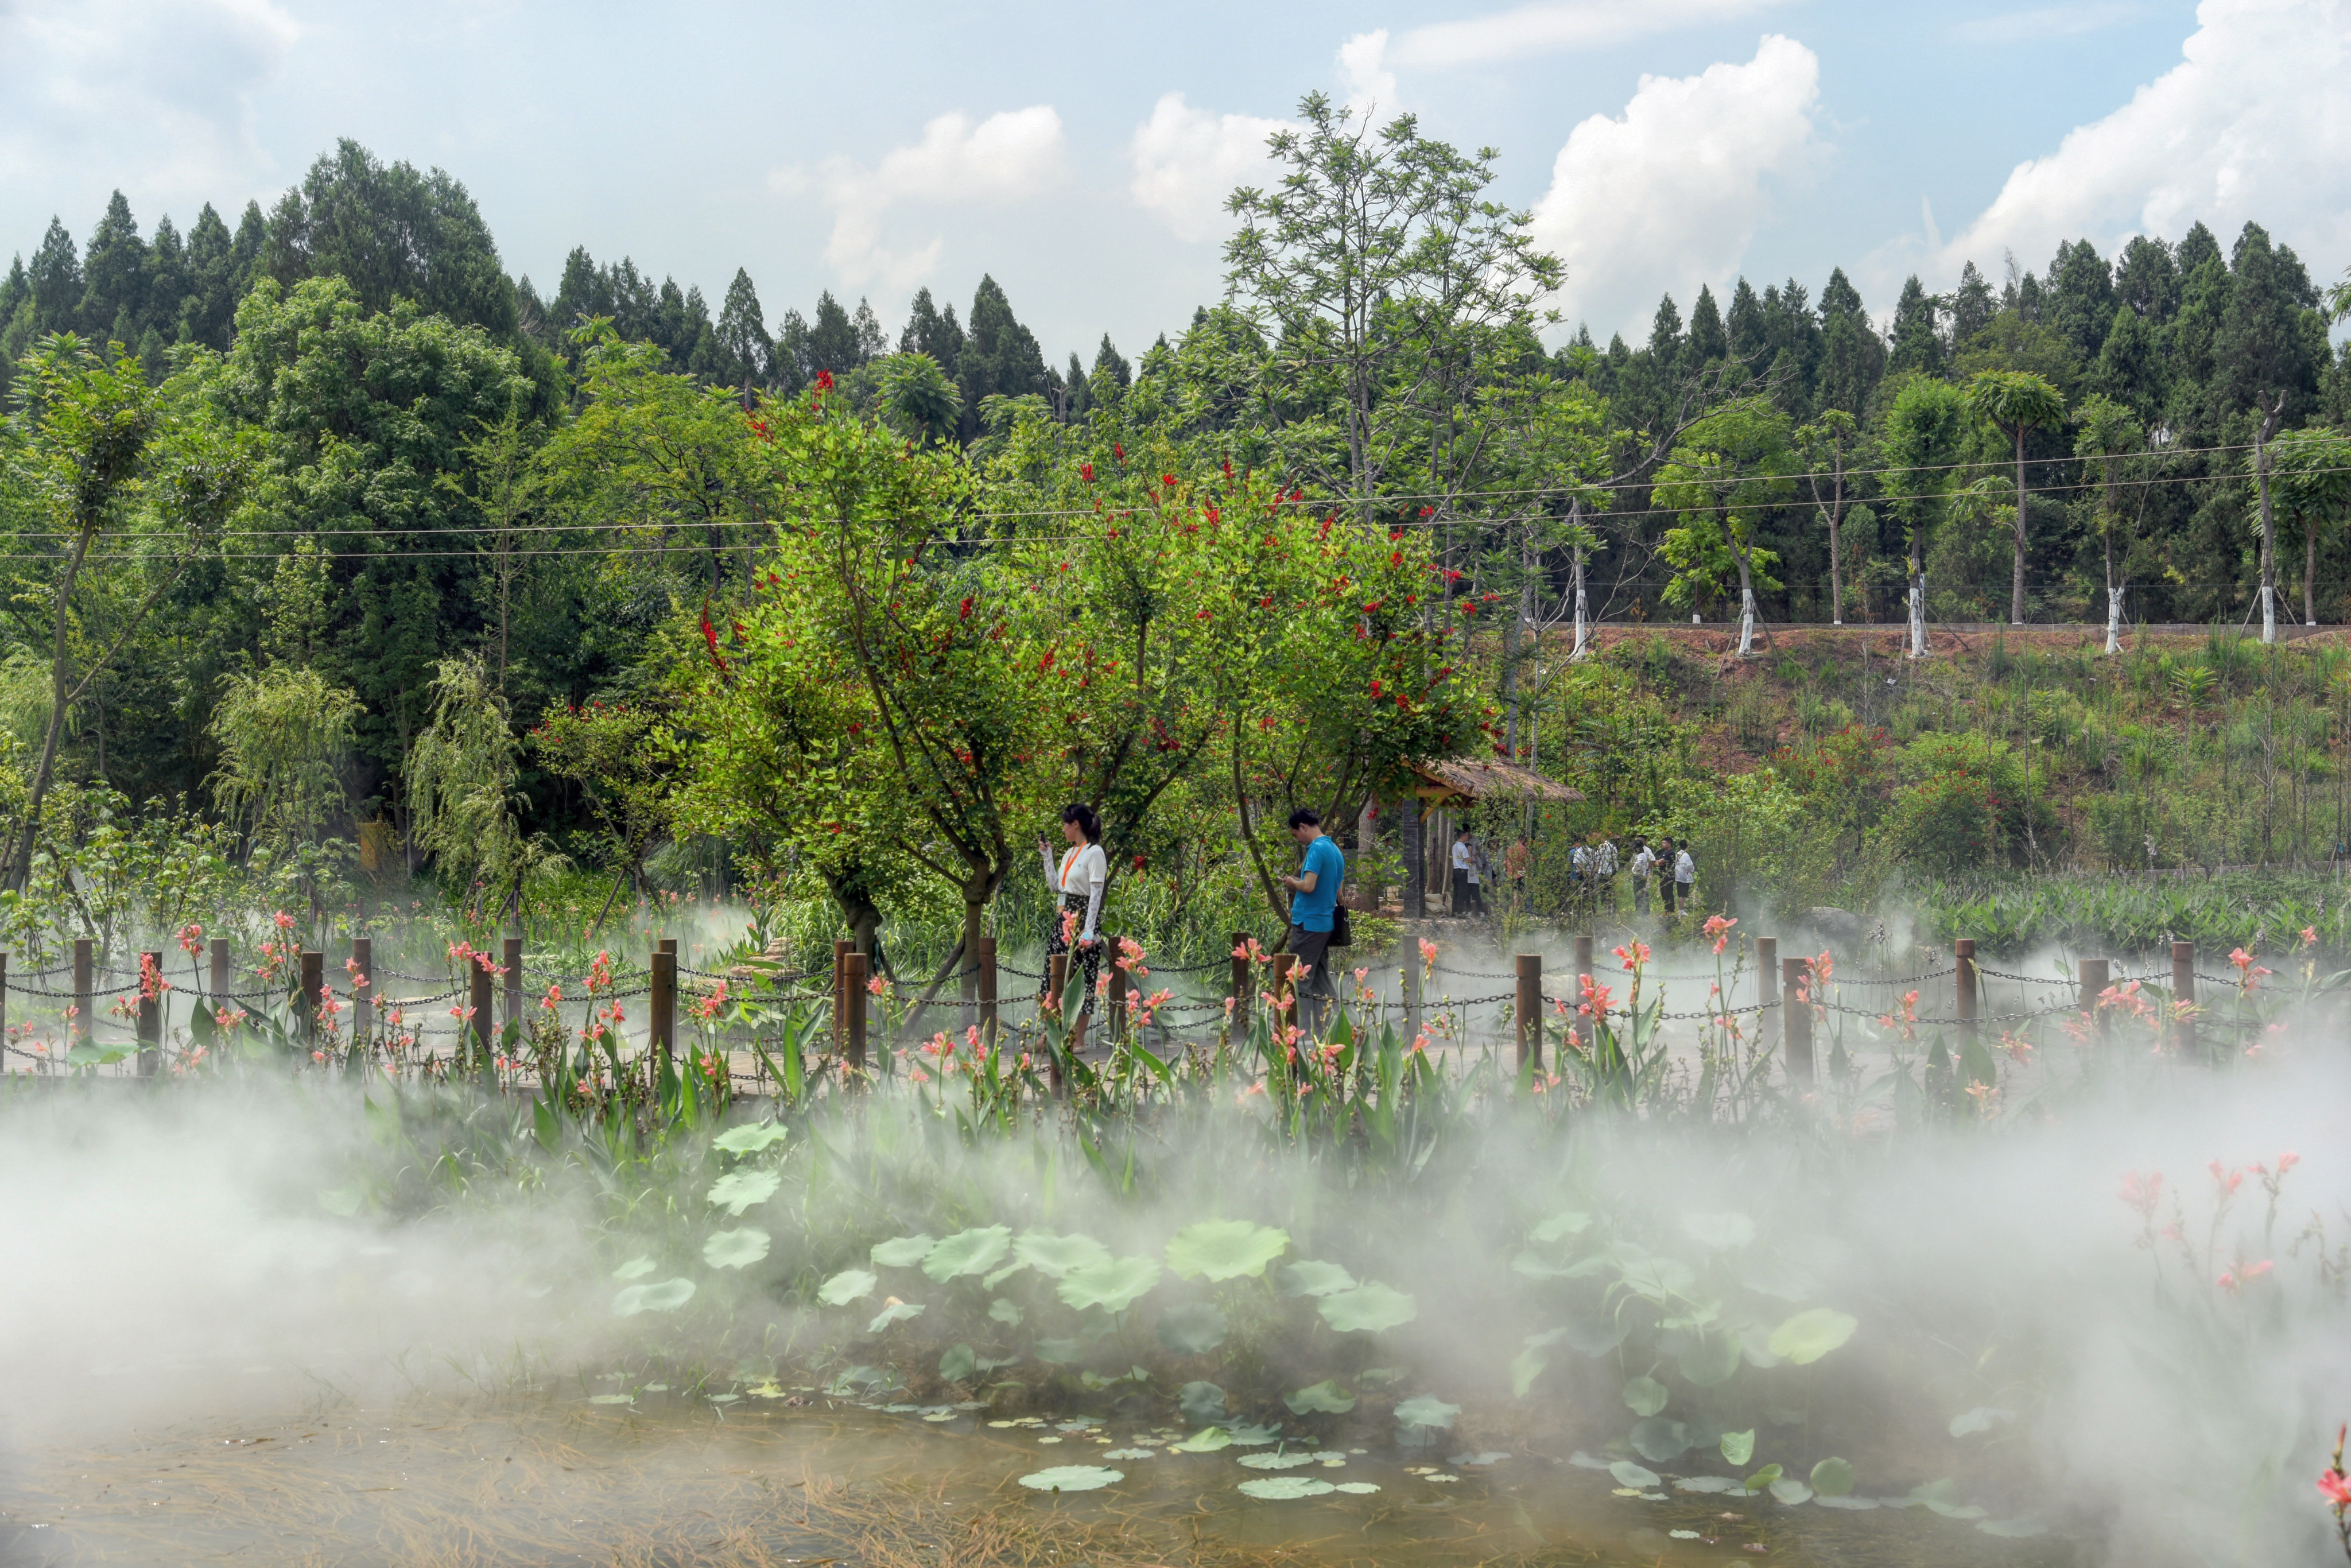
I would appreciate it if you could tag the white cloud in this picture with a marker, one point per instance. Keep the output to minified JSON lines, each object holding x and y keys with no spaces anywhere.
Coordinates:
{"x":1187,"y":161}
{"x":1552,"y":25}
{"x":159,"y":95}
{"x":2253,"y":124}
{"x":1008,"y":157}
{"x":1371,"y":86}
{"x":1668,"y":194}
{"x":2049,"y":22}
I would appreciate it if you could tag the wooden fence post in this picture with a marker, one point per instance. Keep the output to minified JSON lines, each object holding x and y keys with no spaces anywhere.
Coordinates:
{"x":853,"y":996}
{"x":363,"y":987}
{"x":1410,"y":985}
{"x":1582,"y":970}
{"x":1963,"y":966}
{"x":220,"y":969}
{"x":1528,"y":1010}
{"x":1240,"y":978}
{"x":313,"y":975}
{"x":510,"y":954}
{"x":1117,"y":989}
{"x":1767,"y":990}
{"x":2183,"y":992}
{"x":2094,"y":974}
{"x":150,"y":1015}
{"x":987,"y":991}
{"x":479,"y":1025}
{"x":661,"y":1029}
{"x":81,"y":985}
{"x":841,"y":948}
{"x":1795,"y":1001}
{"x":1285,"y":988}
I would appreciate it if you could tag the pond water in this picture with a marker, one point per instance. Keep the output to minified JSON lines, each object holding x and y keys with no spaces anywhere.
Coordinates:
{"x":796,"y":1478}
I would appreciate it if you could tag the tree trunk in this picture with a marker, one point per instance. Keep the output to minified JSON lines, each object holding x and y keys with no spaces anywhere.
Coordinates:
{"x":1917,"y":606}
{"x":1746,"y":611}
{"x":1416,"y":876}
{"x":2016,"y":583}
{"x":20,"y":870}
{"x":2114,"y":594}
{"x":2267,"y":428}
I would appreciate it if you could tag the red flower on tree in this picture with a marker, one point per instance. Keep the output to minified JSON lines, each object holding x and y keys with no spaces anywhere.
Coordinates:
{"x":1086,"y":471}
{"x":824,"y":380}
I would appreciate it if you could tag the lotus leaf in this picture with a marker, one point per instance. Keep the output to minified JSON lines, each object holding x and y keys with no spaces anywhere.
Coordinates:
{"x":1071,"y":1478}
{"x":612,"y":1399}
{"x":894,"y":1312}
{"x":848,"y":1285}
{"x":1833,"y":1478}
{"x":1357,"y":1488}
{"x":1194,"y":1328}
{"x":1710,"y":1362}
{"x":1309,"y":1278}
{"x":665,"y":1297}
{"x":1629,"y":1474}
{"x":903,"y":1252}
{"x":1659,"y":1441}
{"x":1218,"y":1250}
{"x":1536,"y":1265}
{"x":1369,"y":1308}
{"x":1059,"y":1352}
{"x":1809,"y":1336}
{"x":1645,"y":1395}
{"x":751,"y":1138}
{"x":1278,"y":1461}
{"x":1054,"y":1256}
{"x":634,"y":1269}
{"x":1825,"y":1500}
{"x":1707,"y":1484}
{"x":959,"y":1362}
{"x":1207,"y":1440}
{"x":1426,"y":1412}
{"x":967,"y":1252}
{"x":738,"y":1190}
{"x":1979,"y":1419}
{"x":1763,"y":1478}
{"x":1113,"y":1286}
{"x":1254,"y":1436}
{"x":1566,"y":1223}
{"x":1598,"y":1336}
{"x":1201,"y":1402}
{"x":1325,"y":1396}
{"x":1525,"y":1367}
{"x":1280,"y":1488}
{"x":1723,"y":1232}
{"x":2013,"y":1529}
{"x":1005,"y":1311}
{"x":1791,"y":1491}
{"x":734,"y":1248}
{"x":1129,"y":1453}
{"x":1663,"y":1281}
{"x":1738,"y":1448}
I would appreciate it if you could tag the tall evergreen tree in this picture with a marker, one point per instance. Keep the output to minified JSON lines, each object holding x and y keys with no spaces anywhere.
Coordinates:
{"x":2080,"y":297}
{"x":2148,"y":279}
{"x":1973,"y":305}
{"x":1916,"y":345}
{"x":1707,"y":341}
{"x":389,"y":231}
{"x":746,"y":354}
{"x":1853,"y":356}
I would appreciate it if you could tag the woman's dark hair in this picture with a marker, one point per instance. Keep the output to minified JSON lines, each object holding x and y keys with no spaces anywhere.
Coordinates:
{"x":1080,"y":813}
{"x":1305,"y":818}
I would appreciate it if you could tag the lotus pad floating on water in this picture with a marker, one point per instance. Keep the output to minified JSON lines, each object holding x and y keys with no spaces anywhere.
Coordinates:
{"x":1282,"y":1488}
{"x":1277,"y":1461}
{"x":1359,"y":1489}
{"x":1123,"y":1453}
{"x":1071,"y":1478}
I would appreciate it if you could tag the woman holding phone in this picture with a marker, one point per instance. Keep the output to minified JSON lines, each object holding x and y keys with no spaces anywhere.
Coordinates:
{"x":1081,"y":877}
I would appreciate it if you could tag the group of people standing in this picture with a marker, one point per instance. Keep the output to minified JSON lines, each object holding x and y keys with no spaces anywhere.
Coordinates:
{"x":1592,"y":874}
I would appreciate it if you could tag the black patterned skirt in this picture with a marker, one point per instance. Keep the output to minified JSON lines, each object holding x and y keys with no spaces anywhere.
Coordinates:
{"x":1088,"y":958}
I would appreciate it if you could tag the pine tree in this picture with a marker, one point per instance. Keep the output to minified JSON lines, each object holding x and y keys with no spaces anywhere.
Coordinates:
{"x":114,"y":278}
{"x":1708,"y":342}
{"x":1972,"y":306}
{"x":746,"y":354}
{"x":56,"y":282}
{"x":1916,"y":345}
{"x":2080,"y":297}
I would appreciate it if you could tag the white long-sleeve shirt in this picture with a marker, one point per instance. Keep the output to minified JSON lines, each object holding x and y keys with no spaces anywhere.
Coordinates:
{"x":1083,"y":869}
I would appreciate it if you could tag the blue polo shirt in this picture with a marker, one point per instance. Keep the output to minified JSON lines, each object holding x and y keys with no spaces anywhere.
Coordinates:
{"x":1311,"y":911}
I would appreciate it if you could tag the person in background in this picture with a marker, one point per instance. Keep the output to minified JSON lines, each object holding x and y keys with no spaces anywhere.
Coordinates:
{"x":1603,"y":873}
{"x":1685,"y":876}
{"x":1464,"y":869}
{"x":1579,"y":873}
{"x":1314,"y":898}
{"x":1644,"y":866}
{"x":1514,"y":868}
{"x":1081,"y":879}
{"x":1665,"y":875}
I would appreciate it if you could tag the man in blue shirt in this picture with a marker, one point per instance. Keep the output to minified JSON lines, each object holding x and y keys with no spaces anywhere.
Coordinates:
{"x":1315,"y":895}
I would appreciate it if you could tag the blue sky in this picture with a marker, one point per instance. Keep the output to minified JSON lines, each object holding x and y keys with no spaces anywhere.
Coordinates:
{"x":1077,"y":151}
